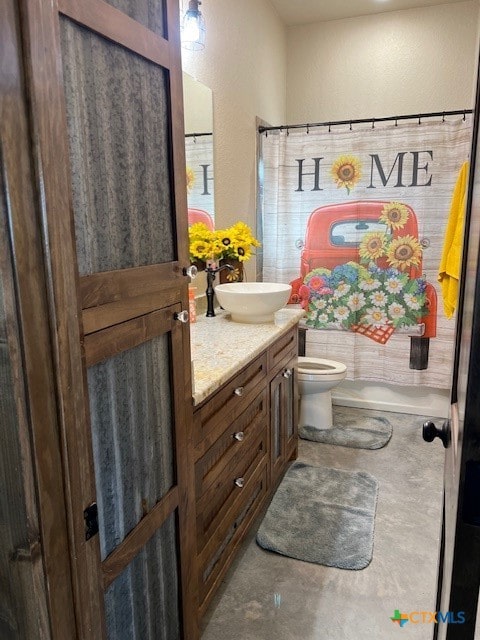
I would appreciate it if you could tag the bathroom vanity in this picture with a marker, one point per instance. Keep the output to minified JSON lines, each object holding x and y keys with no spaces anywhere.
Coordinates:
{"x":245,"y":430}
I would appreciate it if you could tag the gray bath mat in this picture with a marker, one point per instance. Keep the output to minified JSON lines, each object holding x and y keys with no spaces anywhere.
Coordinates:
{"x":322,"y":515}
{"x":357,"y":428}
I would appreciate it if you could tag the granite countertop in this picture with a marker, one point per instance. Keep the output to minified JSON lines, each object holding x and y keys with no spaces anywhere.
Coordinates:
{"x":221,"y":347}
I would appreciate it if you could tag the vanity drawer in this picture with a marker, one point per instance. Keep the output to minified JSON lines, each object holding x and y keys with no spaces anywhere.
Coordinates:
{"x":232,"y":445}
{"x":218,"y":554}
{"x":228,"y":403}
{"x":283,"y":349}
{"x":226,"y":491}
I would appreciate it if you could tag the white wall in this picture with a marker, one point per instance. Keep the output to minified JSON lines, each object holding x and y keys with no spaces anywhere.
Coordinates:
{"x":244,"y":63}
{"x":400,"y":62}
{"x":197,"y":106}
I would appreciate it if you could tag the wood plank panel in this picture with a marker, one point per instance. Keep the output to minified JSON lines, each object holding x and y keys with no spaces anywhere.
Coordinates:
{"x":51,"y":163}
{"x":49,"y":570}
{"x":111,"y":23}
{"x":183,"y":407}
{"x":178,"y":132}
{"x":108,"y":342}
{"x":23,"y":596}
{"x":111,"y":286}
{"x":128,"y":549}
{"x":182,"y":373}
{"x":97,"y":318}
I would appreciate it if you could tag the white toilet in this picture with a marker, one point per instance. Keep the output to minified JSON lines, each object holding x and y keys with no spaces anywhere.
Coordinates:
{"x":316,"y":378}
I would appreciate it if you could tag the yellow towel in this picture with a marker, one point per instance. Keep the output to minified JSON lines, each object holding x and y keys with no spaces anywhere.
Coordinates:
{"x":451,"y":261}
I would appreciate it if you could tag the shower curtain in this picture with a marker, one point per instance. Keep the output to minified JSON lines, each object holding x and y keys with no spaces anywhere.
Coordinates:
{"x":354,"y":217}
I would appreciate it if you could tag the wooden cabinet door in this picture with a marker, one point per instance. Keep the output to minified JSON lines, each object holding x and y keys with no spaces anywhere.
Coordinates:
{"x":290,"y":390}
{"x":108,"y":150}
{"x":283,"y":418}
{"x":277,"y":422}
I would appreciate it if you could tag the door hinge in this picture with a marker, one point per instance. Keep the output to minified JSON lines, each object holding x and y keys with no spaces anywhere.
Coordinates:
{"x":91,"y":520}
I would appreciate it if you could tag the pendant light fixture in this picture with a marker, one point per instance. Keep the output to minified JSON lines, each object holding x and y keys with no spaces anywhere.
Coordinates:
{"x":193,"y":27}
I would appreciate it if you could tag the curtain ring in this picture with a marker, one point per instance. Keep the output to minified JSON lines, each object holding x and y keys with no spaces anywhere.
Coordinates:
{"x":350,"y":125}
{"x":288,"y":132}
{"x":266,"y":133}
{"x":443,"y":116}
{"x":373,"y":123}
{"x":308,"y":128}
{"x":396,"y":122}
{"x":419,"y":120}
{"x":464,"y":114}
{"x":329,"y":127}
{"x":194,"y":139}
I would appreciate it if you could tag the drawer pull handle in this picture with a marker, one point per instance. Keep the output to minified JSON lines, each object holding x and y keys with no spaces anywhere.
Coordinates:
{"x":239,"y":436}
{"x":181,"y":316}
{"x":239,"y":482}
{"x":238,"y":392}
{"x":190,"y":271}
{"x":287,"y":373}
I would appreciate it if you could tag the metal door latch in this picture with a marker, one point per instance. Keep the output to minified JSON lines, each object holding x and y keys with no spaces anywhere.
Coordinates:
{"x":91,"y":520}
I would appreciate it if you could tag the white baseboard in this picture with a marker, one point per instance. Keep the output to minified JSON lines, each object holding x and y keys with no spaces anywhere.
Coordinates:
{"x":373,"y":395}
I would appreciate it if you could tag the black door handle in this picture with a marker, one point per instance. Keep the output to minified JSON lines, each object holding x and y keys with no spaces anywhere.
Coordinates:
{"x":430,"y":432}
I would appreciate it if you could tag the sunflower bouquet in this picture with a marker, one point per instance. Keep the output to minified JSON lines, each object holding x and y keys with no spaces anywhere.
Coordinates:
{"x":235,"y":243}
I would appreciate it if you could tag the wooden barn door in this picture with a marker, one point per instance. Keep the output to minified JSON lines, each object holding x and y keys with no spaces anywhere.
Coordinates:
{"x":108,"y":144}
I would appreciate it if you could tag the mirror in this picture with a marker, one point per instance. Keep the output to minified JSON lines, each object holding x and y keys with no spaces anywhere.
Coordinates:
{"x":198,"y":106}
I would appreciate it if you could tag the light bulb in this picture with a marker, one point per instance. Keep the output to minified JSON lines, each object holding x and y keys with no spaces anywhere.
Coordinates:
{"x":191,"y":31}
{"x":193,"y":28}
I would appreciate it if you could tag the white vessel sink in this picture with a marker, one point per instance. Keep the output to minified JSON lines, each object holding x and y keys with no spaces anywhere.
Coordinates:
{"x":252,"y":302}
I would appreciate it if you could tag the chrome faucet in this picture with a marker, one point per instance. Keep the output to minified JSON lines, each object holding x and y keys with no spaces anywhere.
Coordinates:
{"x":210,"y":290}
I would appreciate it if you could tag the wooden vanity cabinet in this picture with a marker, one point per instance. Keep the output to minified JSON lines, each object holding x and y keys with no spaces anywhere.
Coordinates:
{"x":245,"y":435}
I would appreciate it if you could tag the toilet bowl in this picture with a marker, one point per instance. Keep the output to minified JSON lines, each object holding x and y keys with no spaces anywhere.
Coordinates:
{"x":316,"y":378}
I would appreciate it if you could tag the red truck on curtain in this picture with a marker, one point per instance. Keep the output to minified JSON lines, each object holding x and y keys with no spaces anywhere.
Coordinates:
{"x":361,"y":270}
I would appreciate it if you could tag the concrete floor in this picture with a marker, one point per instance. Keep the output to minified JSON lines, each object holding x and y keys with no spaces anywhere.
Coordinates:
{"x":267,"y":596}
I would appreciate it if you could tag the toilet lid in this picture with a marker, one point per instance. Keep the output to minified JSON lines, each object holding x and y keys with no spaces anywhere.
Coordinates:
{"x":320,"y":365}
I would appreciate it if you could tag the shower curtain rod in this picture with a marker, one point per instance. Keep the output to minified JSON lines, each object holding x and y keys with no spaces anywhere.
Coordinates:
{"x":420,"y":116}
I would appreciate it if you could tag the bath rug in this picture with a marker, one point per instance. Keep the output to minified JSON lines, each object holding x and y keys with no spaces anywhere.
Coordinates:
{"x":321,"y":515}
{"x":357,"y":428}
